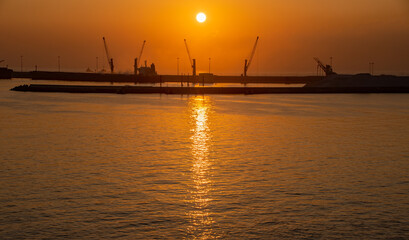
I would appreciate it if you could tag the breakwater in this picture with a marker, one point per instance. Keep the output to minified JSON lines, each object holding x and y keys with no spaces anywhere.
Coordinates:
{"x":205,"y":90}
{"x":205,"y":78}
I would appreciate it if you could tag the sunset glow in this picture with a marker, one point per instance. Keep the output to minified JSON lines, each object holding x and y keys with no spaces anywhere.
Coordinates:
{"x":201,"y":17}
{"x":291,"y":34}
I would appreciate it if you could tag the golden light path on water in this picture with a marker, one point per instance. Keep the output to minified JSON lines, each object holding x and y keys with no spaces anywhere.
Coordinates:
{"x":200,"y":216}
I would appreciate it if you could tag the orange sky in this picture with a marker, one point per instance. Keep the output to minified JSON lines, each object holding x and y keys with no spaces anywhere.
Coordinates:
{"x":292,"y":32}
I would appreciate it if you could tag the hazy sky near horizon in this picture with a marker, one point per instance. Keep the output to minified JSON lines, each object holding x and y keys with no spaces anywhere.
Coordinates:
{"x":292,"y":32}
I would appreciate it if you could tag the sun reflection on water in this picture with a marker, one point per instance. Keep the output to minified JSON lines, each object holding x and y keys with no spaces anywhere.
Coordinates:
{"x":201,"y":221}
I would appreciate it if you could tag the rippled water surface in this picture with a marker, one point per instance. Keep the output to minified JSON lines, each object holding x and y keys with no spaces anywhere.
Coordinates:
{"x":93,"y":166}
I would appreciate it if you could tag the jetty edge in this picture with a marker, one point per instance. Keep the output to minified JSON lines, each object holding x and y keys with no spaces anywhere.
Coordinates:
{"x":203,"y":89}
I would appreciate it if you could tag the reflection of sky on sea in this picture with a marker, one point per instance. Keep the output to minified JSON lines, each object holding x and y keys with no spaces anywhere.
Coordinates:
{"x":201,"y":221}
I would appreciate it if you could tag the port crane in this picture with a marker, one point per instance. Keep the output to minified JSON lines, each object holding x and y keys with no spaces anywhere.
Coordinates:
{"x":110,"y":60}
{"x":140,"y":54}
{"x":326,"y":68}
{"x":137,"y":60}
{"x":247,"y":63}
{"x":192,"y":61}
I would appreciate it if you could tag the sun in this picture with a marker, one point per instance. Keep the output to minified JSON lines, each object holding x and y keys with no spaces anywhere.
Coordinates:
{"x":201,"y":17}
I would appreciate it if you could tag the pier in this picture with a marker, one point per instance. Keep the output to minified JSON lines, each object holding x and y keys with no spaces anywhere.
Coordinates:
{"x":132,"y":78}
{"x":205,"y":90}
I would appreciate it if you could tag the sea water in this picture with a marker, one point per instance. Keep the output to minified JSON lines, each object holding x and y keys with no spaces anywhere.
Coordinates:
{"x":102,"y":166}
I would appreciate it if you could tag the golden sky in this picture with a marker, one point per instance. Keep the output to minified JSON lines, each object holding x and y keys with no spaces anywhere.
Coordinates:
{"x":292,"y":32}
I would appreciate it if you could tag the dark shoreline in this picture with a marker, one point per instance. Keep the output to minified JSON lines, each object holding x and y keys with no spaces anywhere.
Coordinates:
{"x":131,"y":78}
{"x":205,"y":90}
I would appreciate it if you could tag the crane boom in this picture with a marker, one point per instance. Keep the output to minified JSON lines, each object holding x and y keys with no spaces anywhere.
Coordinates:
{"x":320,"y":64}
{"x":248,"y":63}
{"x":106,"y":50}
{"x":326,"y":68}
{"x":110,"y":60}
{"x":140,"y":54}
{"x":188,"y":53}
{"x":192,"y":61}
{"x":252,"y":53}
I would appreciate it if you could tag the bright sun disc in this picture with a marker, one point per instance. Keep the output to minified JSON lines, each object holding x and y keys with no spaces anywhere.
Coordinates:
{"x":201,"y":17}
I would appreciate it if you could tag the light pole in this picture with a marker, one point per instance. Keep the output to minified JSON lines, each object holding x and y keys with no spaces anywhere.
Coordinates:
{"x":96,"y":65}
{"x":59,"y":64}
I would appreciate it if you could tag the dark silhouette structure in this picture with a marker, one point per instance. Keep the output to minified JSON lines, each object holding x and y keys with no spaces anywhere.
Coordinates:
{"x":326,"y":68}
{"x":192,"y":61}
{"x":110,"y":60}
{"x":248,"y":63}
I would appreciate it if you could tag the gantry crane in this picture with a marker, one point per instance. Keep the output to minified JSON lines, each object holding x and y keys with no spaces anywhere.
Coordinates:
{"x":192,"y":61}
{"x":138,"y":60}
{"x":247,"y":63}
{"x":110,"y":60}
{"x":326,"y":68}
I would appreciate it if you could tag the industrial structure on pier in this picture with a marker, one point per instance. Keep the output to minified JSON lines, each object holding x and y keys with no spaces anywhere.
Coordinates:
{"x":145,"y":70}
{"x":138,"y":70}
{"x":147,"y":73}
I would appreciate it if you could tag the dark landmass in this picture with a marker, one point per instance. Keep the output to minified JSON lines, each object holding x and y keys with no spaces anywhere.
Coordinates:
{"x":361,"y":81}
{"x":120,"y":78}
{"x":205,"y":90}
{"x":334,"y":83}
{"x":6,"y":73}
